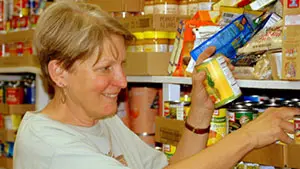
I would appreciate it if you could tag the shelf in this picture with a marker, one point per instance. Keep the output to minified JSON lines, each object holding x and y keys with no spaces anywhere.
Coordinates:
{"x":20,"y":70}
{"x":19,"y":64}
{"x":258,"y":84}
{"x":22,"y":35}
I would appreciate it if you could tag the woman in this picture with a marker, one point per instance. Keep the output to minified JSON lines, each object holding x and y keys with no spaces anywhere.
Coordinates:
{"x":82,"y":50}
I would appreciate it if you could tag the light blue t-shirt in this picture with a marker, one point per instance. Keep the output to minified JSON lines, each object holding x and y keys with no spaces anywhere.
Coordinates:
{"x":43,"y":143}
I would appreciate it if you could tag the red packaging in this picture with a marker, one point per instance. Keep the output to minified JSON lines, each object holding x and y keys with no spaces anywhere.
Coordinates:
{"x":23,"y":22}
{"x":33,"y":20}
{"x":14,"y":22}
{"x":14,"y":93}
{"x":27,"y":48}
{"x":20,"y":48}
{"x":1,"y":10}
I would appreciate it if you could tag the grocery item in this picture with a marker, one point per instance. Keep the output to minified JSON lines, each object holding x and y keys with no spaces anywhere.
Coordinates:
{"x":226,"y":41}
{"x":193,"y":7}
{"x":14,"y":93}
{"x":2,"y":92}
{"x":139,"y":43}
{"x":143,"y":110}
{"x":166,"y":7}
{"x":206,"y":4}
{"x":218,"y":127}
{"x":265,"y":40}
{"x":156,"y":41}
{"x":239,"y":117}
{"x":172,"y":37}
{"x":149,"y":7}
{"x":228,"y":14}
{"x":220,"y":83}
{"x":260,"y":4}
{"x":183,"y":7}
{"x":169,"y":150}
{"x":201,"y":33}
{"x":297,"y":129}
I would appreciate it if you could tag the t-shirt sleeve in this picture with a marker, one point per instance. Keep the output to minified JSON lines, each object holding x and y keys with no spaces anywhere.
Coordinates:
{"x":82,"y":156}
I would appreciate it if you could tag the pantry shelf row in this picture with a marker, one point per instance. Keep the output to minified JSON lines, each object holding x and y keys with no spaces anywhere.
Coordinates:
{"x":258,"y":84}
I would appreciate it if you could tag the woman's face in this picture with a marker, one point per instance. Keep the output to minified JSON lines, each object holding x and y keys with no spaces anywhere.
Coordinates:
{"x":94,"y":84}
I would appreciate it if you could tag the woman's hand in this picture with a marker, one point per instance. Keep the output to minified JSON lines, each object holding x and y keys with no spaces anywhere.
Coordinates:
{"x":202,"y":106}
{"x":271,"y":126}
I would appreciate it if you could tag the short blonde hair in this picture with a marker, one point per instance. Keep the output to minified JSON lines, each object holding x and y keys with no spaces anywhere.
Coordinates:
{"x":69,"y":31}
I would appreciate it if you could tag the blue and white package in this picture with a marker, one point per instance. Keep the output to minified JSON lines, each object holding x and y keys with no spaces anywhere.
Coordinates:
{"x":229,"y":39}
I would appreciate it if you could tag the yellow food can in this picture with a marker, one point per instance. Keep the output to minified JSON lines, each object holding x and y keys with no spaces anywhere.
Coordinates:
{"x":220,"y":83}
{"x":218,"y":127}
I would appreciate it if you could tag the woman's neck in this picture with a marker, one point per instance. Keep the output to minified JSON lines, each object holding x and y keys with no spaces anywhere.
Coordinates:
{"x":68,"y":113}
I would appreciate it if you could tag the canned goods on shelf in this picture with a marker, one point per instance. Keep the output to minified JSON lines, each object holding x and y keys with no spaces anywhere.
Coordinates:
{"x":166,"y":7}
{"x":139,"y":43}
{"x":220,"y":83}
{"x":193,"y":7}
{"x":239,"y":117}
{"x":297,"y":129}
{"x":172,"y":36}
{"x":183,"y":7}
{"x":149,"y":7}
{"x":156,"y":41}
{"x":218,"y":126}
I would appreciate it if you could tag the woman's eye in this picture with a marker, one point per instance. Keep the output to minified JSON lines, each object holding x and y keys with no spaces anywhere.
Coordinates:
{"x":105,"y":69}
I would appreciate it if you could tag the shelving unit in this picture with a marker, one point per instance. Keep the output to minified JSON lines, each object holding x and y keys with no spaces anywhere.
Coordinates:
{"x":258,"y":84}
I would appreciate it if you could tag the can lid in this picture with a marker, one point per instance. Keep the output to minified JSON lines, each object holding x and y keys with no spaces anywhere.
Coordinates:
{"x":156,"y":35}
{"x":242,"y":110}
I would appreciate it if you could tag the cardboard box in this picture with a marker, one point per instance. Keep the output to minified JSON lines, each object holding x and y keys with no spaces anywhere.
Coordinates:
{"x":272,"y":155}
{"x":291,"y":40}
{"x":16,"y":108}
{"x":9,"y":163}
{"x":19,"y":61}
{"x":293,"y":152}
{"x":168,"y":131}
{"x":119,"y":5}
{"x":147,"y":64}
{"x":26,"y":35}
{"x":156,"y":22}
{"x":10,"y":135}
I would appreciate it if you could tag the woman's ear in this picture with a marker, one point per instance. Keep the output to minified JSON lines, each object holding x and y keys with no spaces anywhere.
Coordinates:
{"x":57,"y":73}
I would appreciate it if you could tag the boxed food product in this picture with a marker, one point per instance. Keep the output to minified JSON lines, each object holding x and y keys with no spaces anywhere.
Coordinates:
{"x":119,"y":5}
{"x":157,"y":22}
{"x":291,"y":38}
{"x":147,"y":63}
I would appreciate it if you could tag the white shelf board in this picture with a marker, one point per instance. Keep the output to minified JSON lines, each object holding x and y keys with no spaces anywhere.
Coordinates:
{"x":20,"y":70}
{"x":258,"y":84}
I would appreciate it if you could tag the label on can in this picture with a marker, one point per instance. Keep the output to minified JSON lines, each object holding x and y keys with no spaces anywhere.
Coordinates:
{"x":218,"y":127}
{"x":148,"y":9}
{"x":238,"y":118}
{"x":166,"y":109}
{"x":169,"y":150}
{"x":220,"y":83}
{"x":297,"y":129}
{"x":193,"y":8}
{"x":166,"y":9}
{"x":156,"y":48}
{"x":183,"y":9}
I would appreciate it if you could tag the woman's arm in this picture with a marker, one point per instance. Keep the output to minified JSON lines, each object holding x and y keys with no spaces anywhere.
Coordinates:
{"x":268,"y":128}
